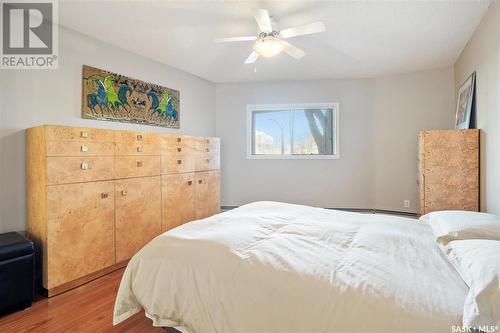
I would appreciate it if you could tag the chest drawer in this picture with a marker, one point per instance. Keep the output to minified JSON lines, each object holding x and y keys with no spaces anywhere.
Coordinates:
{"x":177,"y":163}
{"x":178,"y":144}
{"x":64,"y":170}
{"x":137,"y":166}
{"x":63,"y":133}
{"x":137,"y":148}
{"x":207,"y":161}
{"x":207,"y":145}
{"x":83,"y":148}
{"x":136,"y":137}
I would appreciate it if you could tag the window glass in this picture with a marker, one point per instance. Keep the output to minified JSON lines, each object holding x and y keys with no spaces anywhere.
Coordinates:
{"x":287,"y":132}
{"x":312,"y":132}
{"x":271,"y":133}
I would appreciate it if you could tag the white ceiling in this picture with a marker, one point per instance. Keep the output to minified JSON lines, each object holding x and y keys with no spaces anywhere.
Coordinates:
{"x":363,"y":38}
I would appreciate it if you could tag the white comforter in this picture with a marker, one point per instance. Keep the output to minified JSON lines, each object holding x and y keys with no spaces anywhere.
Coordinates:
{"x":274,"y":267}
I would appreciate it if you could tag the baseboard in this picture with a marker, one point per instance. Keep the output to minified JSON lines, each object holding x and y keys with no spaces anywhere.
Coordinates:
{"x":82,"y":280}
{"x":357,"y":210}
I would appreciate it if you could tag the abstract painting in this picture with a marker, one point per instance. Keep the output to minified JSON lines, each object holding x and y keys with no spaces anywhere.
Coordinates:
{"x":114,"y":97}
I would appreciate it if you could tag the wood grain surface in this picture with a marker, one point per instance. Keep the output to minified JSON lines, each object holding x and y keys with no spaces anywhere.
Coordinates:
{"x":449,"y":170}
{"x":88,"y":308}
{"x":137,"y":214}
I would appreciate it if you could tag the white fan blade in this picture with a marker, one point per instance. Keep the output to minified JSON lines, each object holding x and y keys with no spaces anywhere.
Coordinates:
{"x":307,"y":29}
{"x":292,"y":51}
{"x":263,"y":20}
{"x":252,"y":58}
{"x":234,"y":39}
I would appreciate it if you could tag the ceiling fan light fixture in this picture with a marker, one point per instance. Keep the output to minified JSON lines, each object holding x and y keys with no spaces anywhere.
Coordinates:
{"x":268,"y":46}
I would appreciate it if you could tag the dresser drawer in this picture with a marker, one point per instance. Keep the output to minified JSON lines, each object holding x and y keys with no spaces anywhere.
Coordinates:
{"x":137,"y":148}
{"x":137,"y":166}
{"x":64,"y":170}
{"x":136,"y":137}
{"x":84,"y":148}
{"x":64,"y":133}
{"x":177,"y":163}
{"x":207,"y":161}
{"x":213,"y":145}
{"x":207,"y":145}
{"x":177,"y":144}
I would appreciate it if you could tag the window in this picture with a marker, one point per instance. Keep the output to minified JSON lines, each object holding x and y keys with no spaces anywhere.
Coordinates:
{"x":293,"y":131}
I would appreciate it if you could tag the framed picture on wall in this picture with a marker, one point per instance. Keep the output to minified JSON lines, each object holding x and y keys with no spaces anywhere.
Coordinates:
{"x":464,"y":103}
{"x":114,"y":97}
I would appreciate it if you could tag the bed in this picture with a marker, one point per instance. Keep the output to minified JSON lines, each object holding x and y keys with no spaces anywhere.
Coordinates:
{"x":275,"y":267}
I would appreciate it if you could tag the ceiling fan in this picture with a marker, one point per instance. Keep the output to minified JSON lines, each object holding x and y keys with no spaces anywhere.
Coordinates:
{"x":271,"y":42}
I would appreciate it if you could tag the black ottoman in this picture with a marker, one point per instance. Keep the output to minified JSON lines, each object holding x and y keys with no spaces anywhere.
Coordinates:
{"x":17,"y":268}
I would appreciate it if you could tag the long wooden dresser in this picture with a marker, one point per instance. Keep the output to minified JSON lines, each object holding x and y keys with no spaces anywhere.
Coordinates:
{"x":95,"y":196}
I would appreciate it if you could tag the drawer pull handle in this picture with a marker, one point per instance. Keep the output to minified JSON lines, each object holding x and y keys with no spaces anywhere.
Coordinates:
{"x":179,"y":139}
{"x":179,"y":161}
{"x":104,"y":195}
{"x":84,"y":134}
{"x":139,"y":137}
{"x":179,"y":150}
{"x":140,"y":149}
{"x":208,"y":161}
{"x":85,"y":149}
{"x":200,"y":181}
{"x":208,"y":150}
{"x":139,"y":164}
{"x":208,"y":140}
{"x":84,"y":166}
{"x":190,"y":182}
{"x":124,"y":192}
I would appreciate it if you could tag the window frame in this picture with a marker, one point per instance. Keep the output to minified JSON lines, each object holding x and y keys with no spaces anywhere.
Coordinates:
{"x":251,"y":108}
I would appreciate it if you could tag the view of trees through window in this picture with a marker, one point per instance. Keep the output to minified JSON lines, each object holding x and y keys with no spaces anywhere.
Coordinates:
{"x":293,"y":132}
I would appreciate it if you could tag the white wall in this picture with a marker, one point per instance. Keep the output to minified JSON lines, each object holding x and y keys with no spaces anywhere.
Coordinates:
{"x":403,"y":106}
{"x":482,"y":54}
{"x":35,"y":97}
{"x":379,"y":124}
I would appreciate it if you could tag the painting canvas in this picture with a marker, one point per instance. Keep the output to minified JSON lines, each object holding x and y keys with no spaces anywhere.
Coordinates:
{"x":114,"y":97}
{"x":464,"y":103}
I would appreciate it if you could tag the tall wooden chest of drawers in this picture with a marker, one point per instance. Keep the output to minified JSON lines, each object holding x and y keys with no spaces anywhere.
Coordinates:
{"x":448,"y":164}
{"x":95,"y":196}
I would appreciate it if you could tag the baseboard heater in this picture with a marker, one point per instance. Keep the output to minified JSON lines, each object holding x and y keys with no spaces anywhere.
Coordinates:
{"x":357,"y":210}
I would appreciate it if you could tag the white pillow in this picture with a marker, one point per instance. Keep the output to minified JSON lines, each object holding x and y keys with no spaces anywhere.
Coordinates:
{"x":478,"y":260}
{"x":448,"y":225}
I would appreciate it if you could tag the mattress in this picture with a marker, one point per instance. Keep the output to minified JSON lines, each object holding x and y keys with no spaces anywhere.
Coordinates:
{"x":275,"y":267}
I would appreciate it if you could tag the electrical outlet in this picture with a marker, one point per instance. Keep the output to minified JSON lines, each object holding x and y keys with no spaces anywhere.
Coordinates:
{"x":406,"y":203}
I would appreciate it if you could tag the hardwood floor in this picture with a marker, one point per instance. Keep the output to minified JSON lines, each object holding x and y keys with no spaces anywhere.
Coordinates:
{"x":88,"y":308}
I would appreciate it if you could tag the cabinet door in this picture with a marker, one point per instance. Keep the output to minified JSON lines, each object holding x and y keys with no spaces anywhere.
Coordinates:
{"x":138,"y":214}
{"x":80,"y":230}
{"x":207,"y":201}
{"x":214,"y":182}
{"x":450,"y":170}
{"x":178,"y":200}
